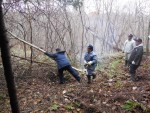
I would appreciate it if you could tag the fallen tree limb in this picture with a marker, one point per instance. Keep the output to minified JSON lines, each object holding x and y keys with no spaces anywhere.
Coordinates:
{"x":27,"y":42}
{"x":37,"y":48}
{"x":22,"y":58}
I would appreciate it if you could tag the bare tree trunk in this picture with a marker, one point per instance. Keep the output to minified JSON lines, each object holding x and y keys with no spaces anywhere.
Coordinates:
{"x":31,"y":40}
{"x":25,"y":49}
{"x":147,"y":45}
{"x":5,"y":54}
{"x":82,"y":39}
{"x":24,"y":36}
{"x":31,"y":34}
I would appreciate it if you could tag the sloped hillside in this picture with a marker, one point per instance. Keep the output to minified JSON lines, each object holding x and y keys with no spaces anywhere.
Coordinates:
{"x":112,"y":91}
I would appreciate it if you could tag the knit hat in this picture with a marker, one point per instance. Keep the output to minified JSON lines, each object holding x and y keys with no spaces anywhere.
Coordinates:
{"x":139,"y":40}
{"x":58,"y":50}
{"x":90,"y":47}
{"x":130,"y":35}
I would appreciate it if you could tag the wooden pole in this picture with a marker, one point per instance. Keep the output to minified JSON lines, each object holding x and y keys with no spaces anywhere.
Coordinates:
{"x":36,"y":47}
{"x":26,"y":42}
{"x":34,"y":61}
{"x":5,"y":54}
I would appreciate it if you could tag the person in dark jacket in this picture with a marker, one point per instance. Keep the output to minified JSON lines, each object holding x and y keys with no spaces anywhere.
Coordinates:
{"x":63,"y":64}
{"x":90,"y":60}
{"x":136,"y":58}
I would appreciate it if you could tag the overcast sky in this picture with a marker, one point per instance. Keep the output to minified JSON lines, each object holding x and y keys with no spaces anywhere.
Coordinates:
{"x":90,"y":4}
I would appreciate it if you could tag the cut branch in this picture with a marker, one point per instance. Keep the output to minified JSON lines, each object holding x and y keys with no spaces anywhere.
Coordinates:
{"x":26,"y":42}
{"x":22,"y":58}
{"x":36,"y":47}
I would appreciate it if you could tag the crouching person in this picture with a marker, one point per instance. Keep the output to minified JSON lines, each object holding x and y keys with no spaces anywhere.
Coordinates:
{"x":63,"y":64}
{"x":135,"y":59}
{"x":90,"y":60}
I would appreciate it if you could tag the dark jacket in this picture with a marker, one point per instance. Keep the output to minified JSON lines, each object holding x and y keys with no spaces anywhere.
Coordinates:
{"x":60,"y":59}
{"x":137,"y":54}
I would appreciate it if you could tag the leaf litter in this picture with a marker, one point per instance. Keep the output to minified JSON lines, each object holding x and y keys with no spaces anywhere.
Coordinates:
{"x":112,"y":92}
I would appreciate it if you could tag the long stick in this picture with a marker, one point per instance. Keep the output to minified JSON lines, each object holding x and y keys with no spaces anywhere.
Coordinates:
{"x":34,"y":61}
{"x":27,"y":42}
{"x":36,"y":47}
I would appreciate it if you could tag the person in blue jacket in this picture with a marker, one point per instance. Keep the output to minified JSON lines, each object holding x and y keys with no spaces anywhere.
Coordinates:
{"x":90,"y":60}
{"x":63,"y":64}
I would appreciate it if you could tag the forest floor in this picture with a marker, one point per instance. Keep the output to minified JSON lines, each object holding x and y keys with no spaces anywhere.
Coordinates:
{"x":111,"y":92}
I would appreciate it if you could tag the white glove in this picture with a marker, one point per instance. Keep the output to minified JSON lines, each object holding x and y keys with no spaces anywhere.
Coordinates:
{"x":85,"y":71}
{"x":85,"y":62}
{"x":90,"y":63}
{"x":133,"y":62}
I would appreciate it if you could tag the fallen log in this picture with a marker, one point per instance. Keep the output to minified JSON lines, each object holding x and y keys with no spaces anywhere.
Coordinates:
{"x":22,"y":58}
{"x":37,"y":48}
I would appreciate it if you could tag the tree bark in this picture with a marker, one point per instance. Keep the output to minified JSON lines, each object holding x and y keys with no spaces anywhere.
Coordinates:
{"x":5,"y":54}
{"x":147,"y":45}
{"x":82,"y":39}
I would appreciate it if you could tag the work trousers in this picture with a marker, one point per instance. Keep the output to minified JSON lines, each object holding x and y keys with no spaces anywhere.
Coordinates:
{"x":68,"y":68}
{"x":133,"y":68}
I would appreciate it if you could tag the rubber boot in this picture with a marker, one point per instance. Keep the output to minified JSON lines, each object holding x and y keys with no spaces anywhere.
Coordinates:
{"x":61,"y":79}
{"x":126,"y":63}
{"x":133,"y":77}
{"x":94,"y":75}
{"x":89,"y":79}
{"x":79,"y":80}
{"x":137,"y":78}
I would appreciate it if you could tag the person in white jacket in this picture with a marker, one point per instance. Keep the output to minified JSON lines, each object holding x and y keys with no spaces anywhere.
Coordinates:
{"x":128,"y":47}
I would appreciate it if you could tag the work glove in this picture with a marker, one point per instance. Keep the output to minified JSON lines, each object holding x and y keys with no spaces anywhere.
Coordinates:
{"x":85,"y":71}
{"x":90,"y":63}
{"x":133,"y":62}
{"x":85,"y":62}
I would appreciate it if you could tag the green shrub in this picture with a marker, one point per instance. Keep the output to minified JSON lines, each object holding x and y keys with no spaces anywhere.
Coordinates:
{"x":131,"y":105}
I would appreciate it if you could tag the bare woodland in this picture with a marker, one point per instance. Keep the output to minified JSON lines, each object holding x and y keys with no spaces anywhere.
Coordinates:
{"x":51,"y":24}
